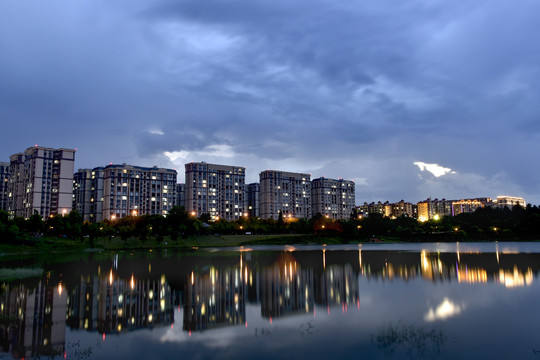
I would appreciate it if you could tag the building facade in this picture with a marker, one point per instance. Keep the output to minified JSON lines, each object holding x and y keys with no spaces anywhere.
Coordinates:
{"x":88,"y":193}
{"x":4,"y":188}
{"x":385,"y":209}
{"x":434,"y":209}
{"x":134,"y":190}
{"x":503,"y":201}
{"x":332,"y":198}
{"x":180,"y":195}
{"x":402,"y":208}
{"x":41,"y":180}
{"x":469,"y":205}
{"x":253,"y":205}
{"x":217,"y":190}
{"x":287,"y":193}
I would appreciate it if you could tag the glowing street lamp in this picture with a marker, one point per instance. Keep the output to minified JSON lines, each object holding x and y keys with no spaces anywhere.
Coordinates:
{"x":134,"y":213}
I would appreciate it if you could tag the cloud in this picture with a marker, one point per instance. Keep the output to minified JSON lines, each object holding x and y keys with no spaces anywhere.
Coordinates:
{"x":352,"y":90}
{"x":435,"y":169}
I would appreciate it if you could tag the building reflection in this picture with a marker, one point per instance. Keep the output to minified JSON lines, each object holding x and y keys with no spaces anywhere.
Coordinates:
{"x":286,"y":288}
{"x":215,"y":290}
{"x":215,"y":298}
{"x":33,"y":320}
{"x":463,"y":267}
{"x":338,"y":287}
{"x":109,"y":304}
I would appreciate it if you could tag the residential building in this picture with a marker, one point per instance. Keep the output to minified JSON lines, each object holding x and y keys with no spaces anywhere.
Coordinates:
{"x":434,"y":209}
{"x":385,"y":209}
{"x":180,"y":195}
{"x":253,"y":206}
{"x":332,"y":198}
{"x":503,"y":201}
{"x":402,"y":208}
{"x":41,"y":180}
{"x":4,"y":188}
{"x":88,"y":193}
{"x":217,"y":190}
{"x":283,"y":192}
{"x":469,"y":205}
{"x":135,"y":190}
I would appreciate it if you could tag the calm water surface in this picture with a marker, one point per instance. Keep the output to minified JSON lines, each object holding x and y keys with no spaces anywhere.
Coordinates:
{"x":444,"y":301}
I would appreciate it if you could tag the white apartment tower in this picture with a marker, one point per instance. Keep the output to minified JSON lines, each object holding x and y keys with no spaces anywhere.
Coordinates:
{"x":283,"y":192}
{"x":41,"y":180}
{"x":333,"y":198}
{"x":214,"y":189}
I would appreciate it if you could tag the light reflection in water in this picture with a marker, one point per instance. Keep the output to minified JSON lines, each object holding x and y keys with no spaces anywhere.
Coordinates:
{"x":216,"y":294}
{"x":445,"y":310}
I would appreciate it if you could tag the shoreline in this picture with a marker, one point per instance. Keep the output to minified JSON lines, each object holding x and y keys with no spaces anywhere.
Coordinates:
{"x":52,"y":246}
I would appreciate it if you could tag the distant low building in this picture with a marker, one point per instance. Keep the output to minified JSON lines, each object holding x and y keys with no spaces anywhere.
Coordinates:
{"x":402,"y":208}
{"x":434,"y":209}
{"x":469,"y":205}
{"x":385,"y":209}
{"x":503,"y":201}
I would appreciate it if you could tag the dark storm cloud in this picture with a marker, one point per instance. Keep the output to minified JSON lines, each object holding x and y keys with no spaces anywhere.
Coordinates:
{"x":359,"y":89}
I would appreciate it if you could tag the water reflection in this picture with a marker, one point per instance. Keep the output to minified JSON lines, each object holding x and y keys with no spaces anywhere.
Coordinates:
{"x":116,"y":294}
{"x":409,"y":341}
{"x":110,"y":304}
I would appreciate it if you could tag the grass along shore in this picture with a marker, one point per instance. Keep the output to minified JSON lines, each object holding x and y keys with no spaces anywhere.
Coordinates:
{"x":39,"y":245}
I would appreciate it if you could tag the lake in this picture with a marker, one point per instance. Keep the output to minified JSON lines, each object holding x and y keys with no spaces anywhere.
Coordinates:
{"x":376,"y":301}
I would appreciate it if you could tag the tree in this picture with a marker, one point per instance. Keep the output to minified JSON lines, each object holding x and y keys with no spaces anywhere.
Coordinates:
{"x":35,"y":223}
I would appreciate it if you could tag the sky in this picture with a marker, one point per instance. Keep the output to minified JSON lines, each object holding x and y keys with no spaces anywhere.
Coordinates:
{"x":409,"y":99}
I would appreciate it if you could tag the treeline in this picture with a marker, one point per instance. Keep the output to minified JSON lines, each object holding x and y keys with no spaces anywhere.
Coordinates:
{"x":484,"y":224}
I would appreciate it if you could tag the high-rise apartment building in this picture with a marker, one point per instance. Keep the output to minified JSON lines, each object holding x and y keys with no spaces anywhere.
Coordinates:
{"x":180,"y":195}
{"x":332,"y":198}
{"x":88,"y":193}
{"x":217,"y":190}
{"x":287,"y":193}
{"x":41,"y":180}
{"x":135,"y":190}
{"x":253,"y":205}
{"x":4,"y":188}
